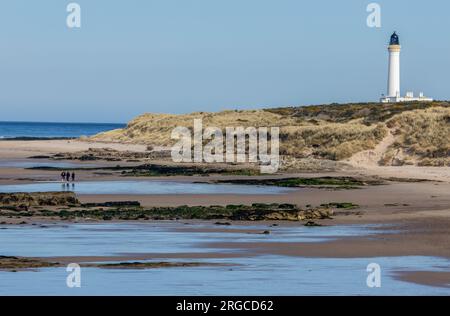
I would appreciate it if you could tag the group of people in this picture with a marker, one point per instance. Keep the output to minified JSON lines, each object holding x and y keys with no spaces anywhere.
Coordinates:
{"x":67,"y":176}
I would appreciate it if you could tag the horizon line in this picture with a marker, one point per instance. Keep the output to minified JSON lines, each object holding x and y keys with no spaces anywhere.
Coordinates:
{"x":57,"y":122}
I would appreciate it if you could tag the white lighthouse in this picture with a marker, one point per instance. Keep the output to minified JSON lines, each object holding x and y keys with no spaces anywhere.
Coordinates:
{"x":393,"y":89}
{"x":394,"y":67}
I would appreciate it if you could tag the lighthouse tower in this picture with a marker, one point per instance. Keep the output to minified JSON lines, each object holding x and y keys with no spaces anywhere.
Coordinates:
{"x":394,"y":67}
{"x":393,"y":89}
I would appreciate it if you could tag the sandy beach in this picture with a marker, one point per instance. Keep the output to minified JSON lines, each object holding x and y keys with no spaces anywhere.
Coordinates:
{"x":414,"y":203}
{"x":13,"y":149}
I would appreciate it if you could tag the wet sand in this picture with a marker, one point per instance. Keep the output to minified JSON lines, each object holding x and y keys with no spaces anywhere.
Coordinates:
{"x":420,"y":237}
{"x":393,"y":198}
{"x":17,"y":149}
{"x":147,"y":256}
{"x":430,"y":278}
{"x":419,"y":212}
{"x":384,"y":245}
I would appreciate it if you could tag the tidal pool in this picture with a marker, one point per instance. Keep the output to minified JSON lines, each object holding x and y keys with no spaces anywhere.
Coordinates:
{"x":106,"y":239}
{"x":243,"y":274}
{"x":142,"y":187}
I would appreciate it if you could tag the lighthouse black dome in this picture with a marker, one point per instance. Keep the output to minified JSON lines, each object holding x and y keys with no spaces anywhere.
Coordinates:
{"x":394,"y":39}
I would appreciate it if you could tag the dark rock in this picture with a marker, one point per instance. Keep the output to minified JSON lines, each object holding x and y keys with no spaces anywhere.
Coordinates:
{"x":22,"y":201}
{"x":114,"y":204}
{"x":312,"y":224}
{"x":222,"y":223}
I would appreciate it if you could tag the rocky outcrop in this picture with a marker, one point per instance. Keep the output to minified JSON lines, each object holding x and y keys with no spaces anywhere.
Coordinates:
{"x":108,"y":154}
{"x":19,"y":263}
{"x":38,"y":199}
{"x":255,"y":212}
{"x":315,"y":182}
{"x":294,"y":214}
{"x":13,"y":264}
{"x":114,"y":204}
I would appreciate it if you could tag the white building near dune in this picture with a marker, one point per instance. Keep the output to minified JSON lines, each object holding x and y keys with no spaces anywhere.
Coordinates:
{"x":393,"y":91}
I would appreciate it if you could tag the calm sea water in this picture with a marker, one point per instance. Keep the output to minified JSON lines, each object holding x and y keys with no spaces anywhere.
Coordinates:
{"x":142,"y":187}
{"x":243,"y":275}
{"x":42,"y":129}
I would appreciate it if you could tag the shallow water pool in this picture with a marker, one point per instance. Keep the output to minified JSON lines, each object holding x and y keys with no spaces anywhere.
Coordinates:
{"x":240,"y":275}
{"x":142,"y":187}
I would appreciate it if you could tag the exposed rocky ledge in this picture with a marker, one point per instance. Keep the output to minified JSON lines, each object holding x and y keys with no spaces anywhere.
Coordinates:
{"x":107,"y":154}
{"x":316,"y":182}
{"x":66,"y":206}
{"x":18,"y":263}
{"x":13,"y":264}
{"x":26,"y":200}
{"x":229,"y":212}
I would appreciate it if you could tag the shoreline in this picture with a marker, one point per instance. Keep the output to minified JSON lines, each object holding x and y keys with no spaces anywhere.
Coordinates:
{"x":394,"y":244}
{"x":415,"y":214}
{"x":26,"y":149}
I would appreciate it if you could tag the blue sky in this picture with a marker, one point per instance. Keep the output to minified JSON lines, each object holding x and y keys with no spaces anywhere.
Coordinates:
{"x":178,"y":56}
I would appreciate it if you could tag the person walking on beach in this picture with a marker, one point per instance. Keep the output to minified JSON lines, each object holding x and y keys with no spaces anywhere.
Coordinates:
{"x":73,"y":176}
{"x":67,"y":176}
{"x":63,"y":176}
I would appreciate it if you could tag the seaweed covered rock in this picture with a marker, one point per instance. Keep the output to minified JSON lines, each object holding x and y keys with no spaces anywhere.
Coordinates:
{"x":38,"y":199}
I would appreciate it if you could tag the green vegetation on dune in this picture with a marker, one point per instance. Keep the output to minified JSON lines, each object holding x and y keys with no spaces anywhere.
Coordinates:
{"x":332,"y":132}
{"x":423,"y":135}
{"x":370,"y":113}
{"x":331,"y":141}
{"x":338,"y":131}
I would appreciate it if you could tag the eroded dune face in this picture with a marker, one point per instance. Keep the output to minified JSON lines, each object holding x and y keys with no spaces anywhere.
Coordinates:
{"x":394,"y":134}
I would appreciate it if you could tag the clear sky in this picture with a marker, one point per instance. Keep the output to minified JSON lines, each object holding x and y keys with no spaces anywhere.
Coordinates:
{"x":178,"y":56}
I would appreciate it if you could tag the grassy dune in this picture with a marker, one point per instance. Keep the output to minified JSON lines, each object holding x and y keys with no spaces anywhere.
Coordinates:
{"x":328,"y":132}
{"x":155,"y":129}
{"x":422,"y":136}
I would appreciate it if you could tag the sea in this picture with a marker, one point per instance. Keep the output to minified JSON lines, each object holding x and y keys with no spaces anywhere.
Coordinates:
{"x":19,"y":130}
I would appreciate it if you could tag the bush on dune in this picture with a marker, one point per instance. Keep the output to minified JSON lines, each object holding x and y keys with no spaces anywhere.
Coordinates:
{"x":423,"y":133}
{"x":331,"y":141}
{"x":369,"y":113}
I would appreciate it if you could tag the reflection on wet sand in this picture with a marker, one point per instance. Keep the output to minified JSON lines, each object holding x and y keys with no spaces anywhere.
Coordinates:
{"x":203,"y":259}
